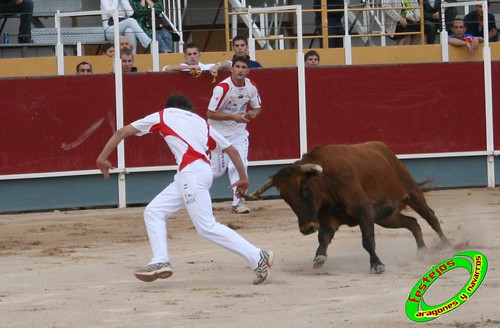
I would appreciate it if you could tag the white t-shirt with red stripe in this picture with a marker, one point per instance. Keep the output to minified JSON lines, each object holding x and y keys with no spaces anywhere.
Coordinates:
{"x":229,"y":98}
{"x":188,"y":136}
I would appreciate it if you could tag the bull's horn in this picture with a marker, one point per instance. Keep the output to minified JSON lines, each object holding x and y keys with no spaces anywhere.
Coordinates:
{"x":256,"y":194}
{"x":314,"y":168}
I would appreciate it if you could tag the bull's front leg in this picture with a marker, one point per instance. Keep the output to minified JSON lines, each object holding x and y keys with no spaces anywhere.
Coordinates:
{"x":325,"y":236}
{"x":367,"y":226}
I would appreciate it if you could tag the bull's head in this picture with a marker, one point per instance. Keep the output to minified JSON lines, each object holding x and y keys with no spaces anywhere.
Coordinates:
{"x":296,"y":186}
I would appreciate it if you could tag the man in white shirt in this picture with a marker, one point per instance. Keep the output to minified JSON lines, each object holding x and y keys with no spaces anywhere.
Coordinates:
{"x":227,"y":113}
{"x":190,"y":139}
{"x":192,"y":62}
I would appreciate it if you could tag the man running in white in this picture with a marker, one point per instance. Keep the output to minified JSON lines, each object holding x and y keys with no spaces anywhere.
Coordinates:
{"x":228,"y":114}
{"x":190,"y":139}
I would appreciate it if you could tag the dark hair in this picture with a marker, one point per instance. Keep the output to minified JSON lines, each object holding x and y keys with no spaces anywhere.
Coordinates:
{"x":106,"y":46}
{"x":239,"y":59}
{"x":179,"y":101}
{"x":126,"y":51}
{"x":192,"y":45}
{"x":311,"y":53}
{"x":240,"y":38}
{"x":83,"y":63}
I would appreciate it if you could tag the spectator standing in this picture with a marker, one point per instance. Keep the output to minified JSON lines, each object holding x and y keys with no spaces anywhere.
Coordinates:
{"x":190,"y":139}
{"x":25,"y":9}
{"x":334,"y":21}
{"x":127,"y":25}
{"x":311,"y":58}
{"x":192,"y":56}
{"x":240,"y":48}
{"x":459,"y":37}
{"x":142,"y":13}
{"x":84,"y":68}
{"x":474,"y":23}
{"x":127,"y":59}
{"x":227,"y":113}
{"x":402,"y":21}
{"x":432,"y":19}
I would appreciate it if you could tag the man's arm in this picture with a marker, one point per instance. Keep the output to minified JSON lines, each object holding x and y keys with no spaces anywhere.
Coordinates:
{"x":224,"y":65}
{"x":253,"y":113}
{"x":221,"y":116}
{"x":243,"y":183}
{"x":102,"y":160}
{"x":180,"y":68}
{"x":461,"y":43}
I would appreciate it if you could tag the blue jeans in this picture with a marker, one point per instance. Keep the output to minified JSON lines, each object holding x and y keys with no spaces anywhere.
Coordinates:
{"x":164,"y":38}
{"x":25,"y":8}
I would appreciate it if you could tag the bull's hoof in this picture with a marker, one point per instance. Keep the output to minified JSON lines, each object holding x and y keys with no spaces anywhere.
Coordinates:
{"x":378,"y":268}
{"x":319,"y":261}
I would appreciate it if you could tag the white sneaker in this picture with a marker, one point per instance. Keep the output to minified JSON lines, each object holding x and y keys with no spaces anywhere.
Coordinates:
{"x":241,"y":209}
{"x":154,"y":271}
{"x":263,"y":270}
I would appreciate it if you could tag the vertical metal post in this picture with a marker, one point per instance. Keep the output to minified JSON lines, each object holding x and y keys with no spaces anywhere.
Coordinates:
{"x":488,"y":99}
{"x":445,"y":56}
{"x":302,"y":83}
{"x":122,"y":194}
{"x":59,"y":46}
{"x":153,"y":47}
{"x":347,"y":38}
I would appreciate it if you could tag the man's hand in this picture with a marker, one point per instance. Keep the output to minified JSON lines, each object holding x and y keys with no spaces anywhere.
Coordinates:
{"x":104,"y":165}
{"x":240,"y":118}
{"x":241,"y":187}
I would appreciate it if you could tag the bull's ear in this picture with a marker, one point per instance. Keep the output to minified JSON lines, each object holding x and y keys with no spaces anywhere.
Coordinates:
{"x":313,"y":169}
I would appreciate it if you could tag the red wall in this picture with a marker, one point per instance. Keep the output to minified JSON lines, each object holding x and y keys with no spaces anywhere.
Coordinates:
{"x":418,"y":108}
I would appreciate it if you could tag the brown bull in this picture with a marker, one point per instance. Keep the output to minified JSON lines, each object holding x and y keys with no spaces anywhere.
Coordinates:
{"x":359,"y":184}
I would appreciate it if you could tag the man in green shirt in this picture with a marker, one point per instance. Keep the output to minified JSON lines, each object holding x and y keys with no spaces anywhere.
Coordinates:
{"x":142,"y":13}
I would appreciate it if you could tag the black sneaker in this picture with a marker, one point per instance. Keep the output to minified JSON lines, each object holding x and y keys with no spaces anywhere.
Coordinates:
{"x":25,"y":39}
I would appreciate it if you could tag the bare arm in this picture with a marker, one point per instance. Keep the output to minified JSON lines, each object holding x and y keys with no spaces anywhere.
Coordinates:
{"x":223,"y":65}
{"x":461,"y":43}
{"x":102,"y":160}
{"x":221,"y":116}
{"x":180,"y":68}
{"x":242,"y":184}
{"x":254,"y":112}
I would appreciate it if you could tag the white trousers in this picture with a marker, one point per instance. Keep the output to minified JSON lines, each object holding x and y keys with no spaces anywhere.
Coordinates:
{"x":221,"y":162}
{"x":191,"y":189}
{"x":131,"y":29}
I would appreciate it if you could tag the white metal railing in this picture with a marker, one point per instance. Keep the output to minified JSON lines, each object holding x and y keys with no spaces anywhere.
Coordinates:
{"x":488,"y":91}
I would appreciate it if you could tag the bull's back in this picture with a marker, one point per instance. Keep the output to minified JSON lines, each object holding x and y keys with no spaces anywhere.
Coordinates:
{"x":372,"y":164}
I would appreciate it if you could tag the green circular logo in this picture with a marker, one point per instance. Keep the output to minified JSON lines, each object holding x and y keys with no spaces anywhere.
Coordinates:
{"x":475,"y":263}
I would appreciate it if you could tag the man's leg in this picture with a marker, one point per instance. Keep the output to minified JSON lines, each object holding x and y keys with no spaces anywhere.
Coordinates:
{"x":26,"y":10}
{"x":241,"y":144}
{"x":25,"y":23}
{"x":156,"y":215}
{"x":196,"y":180}
{"x":430,"y":32}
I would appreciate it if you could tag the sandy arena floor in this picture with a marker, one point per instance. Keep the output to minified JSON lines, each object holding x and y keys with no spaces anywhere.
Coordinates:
{"x":75,"y":269}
